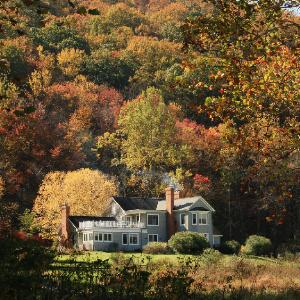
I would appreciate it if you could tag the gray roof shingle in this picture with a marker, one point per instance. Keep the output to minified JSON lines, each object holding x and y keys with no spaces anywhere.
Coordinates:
{"x":132,"y":203}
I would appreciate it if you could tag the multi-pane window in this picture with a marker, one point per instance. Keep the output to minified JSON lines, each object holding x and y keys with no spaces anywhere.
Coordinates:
{"x":203,"y":218}
{"x":98,"y":237}
{"x":152,"y":220}
{"x":194,"y":218}
{"x":107,"y":237}
{"x":152,"y":238}
{"x":125,"y":239}
{"x":87,"y":237}
{"x":133,"y":239}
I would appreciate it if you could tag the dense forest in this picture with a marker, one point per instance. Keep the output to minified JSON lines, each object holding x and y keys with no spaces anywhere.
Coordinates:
{"x":202,"y":94}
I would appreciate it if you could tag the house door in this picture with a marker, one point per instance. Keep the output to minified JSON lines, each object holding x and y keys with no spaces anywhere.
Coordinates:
{"x":186,"y":221}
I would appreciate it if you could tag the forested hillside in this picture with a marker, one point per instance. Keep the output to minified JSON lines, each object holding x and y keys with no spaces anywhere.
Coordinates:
{"x":204,"y":94}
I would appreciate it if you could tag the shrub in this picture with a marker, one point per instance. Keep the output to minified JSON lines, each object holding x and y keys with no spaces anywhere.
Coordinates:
{"x":186,"y":242}
{"x":230,"y":247}
{"x":257,"y":245}
{"x":211,"y":256}
{"x":157,"y":248}
{"x":170,"y":284}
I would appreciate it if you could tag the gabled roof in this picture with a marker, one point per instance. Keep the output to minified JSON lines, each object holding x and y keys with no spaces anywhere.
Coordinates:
{"x":132,"y":203}
{"x":138,"y":203}
{"x":190,"y":203}
{"x":76,"y":219}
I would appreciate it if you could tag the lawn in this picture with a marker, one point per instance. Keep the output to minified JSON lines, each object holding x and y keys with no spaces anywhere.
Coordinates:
{"x":209,"y":275}
{"x":90,"y":256}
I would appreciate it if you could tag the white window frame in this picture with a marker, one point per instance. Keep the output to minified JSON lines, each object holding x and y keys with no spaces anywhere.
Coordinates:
{"x":201,"y":213}
{"x":98,"y":234}
{"x":152,"y":215}
{"x":153,"y":234}
{"x":137,"y":238}
{"x":180,"y":221}
{"x":123,"y":238}
{"x":87,"y":235}
{"x":194,"y":214}
{"x":108,"y":241}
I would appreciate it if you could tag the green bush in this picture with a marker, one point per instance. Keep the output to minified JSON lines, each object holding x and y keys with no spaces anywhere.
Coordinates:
{"x":157,"y":248}
{"x":230,"y":247}
{"x":211,"y":256}
{"x":257,"y":245}
{"x":187,"y":242}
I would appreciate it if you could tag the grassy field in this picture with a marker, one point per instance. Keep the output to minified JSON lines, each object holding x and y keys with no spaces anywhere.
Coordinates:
{"x":90,"y":256}
{"x":208,"y":276}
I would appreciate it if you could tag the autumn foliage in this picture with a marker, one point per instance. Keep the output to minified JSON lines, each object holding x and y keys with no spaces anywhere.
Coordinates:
{"x":204,"y":94}
{"x":86,"y":191}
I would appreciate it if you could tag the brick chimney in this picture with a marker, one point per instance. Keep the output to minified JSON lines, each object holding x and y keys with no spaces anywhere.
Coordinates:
{"x":170,"y":213}
{"x":65,"y":213}
{"x":176,"y":194}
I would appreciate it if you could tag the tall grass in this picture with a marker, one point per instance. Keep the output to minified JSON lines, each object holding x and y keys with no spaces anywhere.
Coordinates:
{"x":208,"y":276}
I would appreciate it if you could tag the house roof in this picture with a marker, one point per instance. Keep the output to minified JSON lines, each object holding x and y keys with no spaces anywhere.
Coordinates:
{"x":137,"y":203}
{"x":132,"y":203}
{"x":76,"y":219}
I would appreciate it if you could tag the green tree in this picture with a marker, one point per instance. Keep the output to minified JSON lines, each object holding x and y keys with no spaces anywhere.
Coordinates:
{"x":103,"y":67}
{"x":149,"y":126}
{"x":56,"y":37}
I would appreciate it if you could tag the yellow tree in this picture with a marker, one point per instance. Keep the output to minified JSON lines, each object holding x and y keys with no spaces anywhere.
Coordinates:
{"x":87,"y":191}
{"x":70,"y":60}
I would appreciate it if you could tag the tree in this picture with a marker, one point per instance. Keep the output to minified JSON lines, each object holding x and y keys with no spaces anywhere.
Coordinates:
{"x":146,"y":149}
{"x":87,"y":191}
{"x":256,"y":79}
{"x":257,"y":45}
{"x":149,"y":126}
{"x":70,"y":61}
{"x":56,"y":37}
{"x":151,"y":57}
{"x":106,"y":67}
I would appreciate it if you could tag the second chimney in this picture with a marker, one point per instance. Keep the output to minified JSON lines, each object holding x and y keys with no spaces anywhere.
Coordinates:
{"x":176,"y":194}
{"x":170,"y":211}
{"x":65,"y":213}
